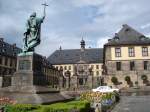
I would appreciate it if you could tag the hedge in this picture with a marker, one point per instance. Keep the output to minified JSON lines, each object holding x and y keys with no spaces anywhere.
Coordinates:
{"x":82,"y":106}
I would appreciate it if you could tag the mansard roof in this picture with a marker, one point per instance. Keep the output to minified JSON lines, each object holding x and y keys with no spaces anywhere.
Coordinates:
{"x":128,"y":36}
{"x":75,"y":56}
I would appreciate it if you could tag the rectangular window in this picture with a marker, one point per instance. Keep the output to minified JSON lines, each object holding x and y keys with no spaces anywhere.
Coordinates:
{"x":131,"y":51}
{"x":145,"y":65}
{"x":65,"y":67}
{"x":118,"y":52}
{"x":97,"y":66}
{"x":144,"y":51}
{"x":69,"y":67}
{"x":118,"y":66}
{"x":132,"y":65}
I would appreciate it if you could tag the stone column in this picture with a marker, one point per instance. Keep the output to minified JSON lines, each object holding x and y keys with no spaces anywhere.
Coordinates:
{"x":67,"y":82}
{"x":60,"y":82}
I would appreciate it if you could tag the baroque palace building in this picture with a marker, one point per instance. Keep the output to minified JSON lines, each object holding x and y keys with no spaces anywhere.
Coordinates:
{"x":82,"y":68}
{"x":8,"y":56}
{"x":127,"y":58}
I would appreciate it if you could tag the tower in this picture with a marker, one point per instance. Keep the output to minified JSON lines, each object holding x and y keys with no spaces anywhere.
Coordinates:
{"x":82,"y":43}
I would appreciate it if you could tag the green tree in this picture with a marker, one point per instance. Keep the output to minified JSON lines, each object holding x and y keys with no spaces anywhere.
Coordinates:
{"x":114,"y":80}
{"x":145,"y":79}
{"x":127,"y":79}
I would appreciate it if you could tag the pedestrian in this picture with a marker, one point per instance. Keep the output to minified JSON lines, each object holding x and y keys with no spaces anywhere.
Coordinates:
{"x":97,"y":108}
{"x":2,"y":109}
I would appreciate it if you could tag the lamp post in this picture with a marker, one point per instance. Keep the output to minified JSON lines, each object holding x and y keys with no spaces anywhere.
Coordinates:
{"x":137,"y":76}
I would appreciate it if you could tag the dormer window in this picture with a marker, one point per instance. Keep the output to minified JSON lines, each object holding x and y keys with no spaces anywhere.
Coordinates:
{"x":142,"y":38}
{"x":127,"y":29}
{"x":109,"y":40}
{"x":3,"y":50}
{"x":3,"y":44}
{"x":116,"y":38}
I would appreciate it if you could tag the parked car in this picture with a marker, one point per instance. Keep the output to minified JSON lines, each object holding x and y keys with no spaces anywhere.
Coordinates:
{"x":105,"y":89}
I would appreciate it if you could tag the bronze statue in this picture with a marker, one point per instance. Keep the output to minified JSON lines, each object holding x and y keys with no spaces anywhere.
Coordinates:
{"x":33,"y":30}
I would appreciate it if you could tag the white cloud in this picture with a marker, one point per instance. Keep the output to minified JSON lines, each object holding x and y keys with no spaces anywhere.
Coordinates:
{"x":81,"y":3}
{"x":145,"y":26}
{"x":101,"y":41}
{"x":53,"y":41}
{"x":67,"y":19}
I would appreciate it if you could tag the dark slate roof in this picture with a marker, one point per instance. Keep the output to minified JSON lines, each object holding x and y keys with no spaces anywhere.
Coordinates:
{"x":8,"y":49}
{"x":128,"y":36}
{"x":73,"y":56}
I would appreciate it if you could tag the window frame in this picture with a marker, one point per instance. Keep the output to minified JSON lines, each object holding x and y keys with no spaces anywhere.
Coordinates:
{"x":145,"y":65}
{"x":144,"y":51}
{"x":132,"y":65}
{"x":118,"y":66}
{"x":131,"y":52}
{"x":117,"y":51}
{"x":65,"y":67}
{"x":97,"y":66}
{"x":69,"y":67}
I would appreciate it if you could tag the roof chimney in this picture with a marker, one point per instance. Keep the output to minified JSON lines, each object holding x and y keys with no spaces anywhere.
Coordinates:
{"x":124,"y":25}
{"x":14,"y":45}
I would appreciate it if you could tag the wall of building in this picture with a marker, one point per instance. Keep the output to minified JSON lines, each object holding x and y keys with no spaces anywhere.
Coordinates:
{"x":66,"y":67}
{"x":125,"y":55}
{"x":96,"y":68}
{"x":135,"y":75}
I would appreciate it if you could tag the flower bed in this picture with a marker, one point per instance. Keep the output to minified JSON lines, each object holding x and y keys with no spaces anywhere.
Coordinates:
{"x":107,"y":100}
{"x":6,"y":101}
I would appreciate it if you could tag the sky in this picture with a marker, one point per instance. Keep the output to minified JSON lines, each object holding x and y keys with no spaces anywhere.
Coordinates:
{"x":68,"y":21}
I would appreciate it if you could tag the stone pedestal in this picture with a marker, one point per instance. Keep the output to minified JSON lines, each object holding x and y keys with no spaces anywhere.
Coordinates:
{"x":29,"y":84}
{"x":29,"y":73}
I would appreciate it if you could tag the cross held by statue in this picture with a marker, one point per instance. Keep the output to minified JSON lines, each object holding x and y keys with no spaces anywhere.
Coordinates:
{"x":45,"y":4}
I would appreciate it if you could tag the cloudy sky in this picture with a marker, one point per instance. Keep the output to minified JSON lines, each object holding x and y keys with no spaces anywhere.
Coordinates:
{"x":67,"y":21}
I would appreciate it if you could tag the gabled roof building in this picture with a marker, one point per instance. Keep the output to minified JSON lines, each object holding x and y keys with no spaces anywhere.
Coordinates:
{"x":127,"y":56}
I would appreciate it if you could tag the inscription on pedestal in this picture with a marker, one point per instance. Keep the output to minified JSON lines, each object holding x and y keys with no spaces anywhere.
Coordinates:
{"x":24,"y":65}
